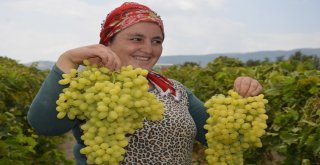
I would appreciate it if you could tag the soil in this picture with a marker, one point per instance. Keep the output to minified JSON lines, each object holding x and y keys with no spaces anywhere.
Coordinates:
{"x":67,"y":146}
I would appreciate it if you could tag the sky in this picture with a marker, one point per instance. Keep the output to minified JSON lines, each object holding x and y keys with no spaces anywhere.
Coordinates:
{"x":33,"y":30}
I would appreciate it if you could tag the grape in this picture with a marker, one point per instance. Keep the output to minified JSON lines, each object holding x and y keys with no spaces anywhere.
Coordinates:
{"x":111,"y":105}
{"x":235,"y":124}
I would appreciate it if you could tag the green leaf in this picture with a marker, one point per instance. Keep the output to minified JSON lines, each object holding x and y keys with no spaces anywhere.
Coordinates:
{"x":295,"y":129}
{"x":288,"y":80}
{"x":316,"y":148}
{"x":289,"y":138}
{"x":309,"y":123}
{"x":313,"y":90}
{"x":318,"y":112}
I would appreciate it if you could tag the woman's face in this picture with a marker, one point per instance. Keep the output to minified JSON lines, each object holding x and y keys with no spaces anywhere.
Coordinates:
{"x":139,"y":45}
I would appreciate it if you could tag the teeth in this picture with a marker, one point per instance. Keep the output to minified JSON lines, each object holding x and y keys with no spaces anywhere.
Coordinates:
{"x":141,"y":58}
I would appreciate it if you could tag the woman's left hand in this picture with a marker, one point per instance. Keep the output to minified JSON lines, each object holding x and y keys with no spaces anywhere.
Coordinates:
{"x":247,"y":86}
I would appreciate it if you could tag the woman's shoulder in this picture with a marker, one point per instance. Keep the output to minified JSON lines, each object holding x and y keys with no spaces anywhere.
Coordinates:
{"x":175,"y":81}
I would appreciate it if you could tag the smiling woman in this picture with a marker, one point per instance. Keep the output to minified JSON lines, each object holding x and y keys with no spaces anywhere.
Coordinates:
{"x":143,"y":45}
{"x":132,"y":34}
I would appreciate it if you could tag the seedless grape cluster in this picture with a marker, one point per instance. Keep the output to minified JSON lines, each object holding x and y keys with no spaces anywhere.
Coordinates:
{"x":111,"y":105}
{"x":235,"y":124}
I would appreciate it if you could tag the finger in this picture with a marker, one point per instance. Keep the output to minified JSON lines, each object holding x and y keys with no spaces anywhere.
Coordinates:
{"x":257,"y":91}
{"x":244,"y":86}
{"x":109,"y":59}
{"x":104,"y":53}
{"x":252,"y":88}
{"x":106,"y":58}
{"x":100,"y":63}
{"x":94,"y":60}
{"x":114,"y":64}
{"x":117,"y":63}
{"x":111,"y":66}
{"x":237,"y":83}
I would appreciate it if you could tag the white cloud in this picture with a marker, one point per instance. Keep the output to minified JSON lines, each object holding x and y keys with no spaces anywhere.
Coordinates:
{"x":44,"y":29}
{"x":200,"y":36}
{"x":33,"y":30}
{"x":73,"y":8}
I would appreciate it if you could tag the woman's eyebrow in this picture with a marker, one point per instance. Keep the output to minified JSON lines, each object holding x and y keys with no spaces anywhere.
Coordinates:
{"x":158,"y":37}
{"x":135,"y":34}
{"x":141,"y":35}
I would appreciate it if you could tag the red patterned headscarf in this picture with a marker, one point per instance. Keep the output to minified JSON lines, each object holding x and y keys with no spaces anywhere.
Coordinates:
{"x":129,"y":13}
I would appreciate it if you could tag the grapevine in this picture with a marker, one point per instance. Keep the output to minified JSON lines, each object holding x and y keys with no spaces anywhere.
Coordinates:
{"x":112,"y":106}
{"x":235,"y":125}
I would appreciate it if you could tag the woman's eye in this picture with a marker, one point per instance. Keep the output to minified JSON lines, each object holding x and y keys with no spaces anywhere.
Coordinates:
{"x":135,"y":39}
{"x":157,"y":41}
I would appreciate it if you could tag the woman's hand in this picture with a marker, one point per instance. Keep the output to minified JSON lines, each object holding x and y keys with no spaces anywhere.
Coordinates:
{"x":96,"y":54}
{"x":247,"y":86}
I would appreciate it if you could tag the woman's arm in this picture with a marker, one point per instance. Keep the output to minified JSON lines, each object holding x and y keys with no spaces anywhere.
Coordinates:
{"x":42,"y":115}
{"x":199,"y":115}
{"x":96,"y":54}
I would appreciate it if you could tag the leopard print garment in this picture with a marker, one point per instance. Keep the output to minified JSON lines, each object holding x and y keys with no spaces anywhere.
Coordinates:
{"x":167,"y":142}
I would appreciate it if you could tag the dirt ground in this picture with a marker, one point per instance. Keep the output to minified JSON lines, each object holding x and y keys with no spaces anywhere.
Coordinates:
{"x":67,"y":146}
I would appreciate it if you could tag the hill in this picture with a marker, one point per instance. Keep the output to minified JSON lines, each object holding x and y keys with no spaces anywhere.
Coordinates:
{"x":259,"y":55}
{"x":42,"y":65}
{"x":204,"y":59}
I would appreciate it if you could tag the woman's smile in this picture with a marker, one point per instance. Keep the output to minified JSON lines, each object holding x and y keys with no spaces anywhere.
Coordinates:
{"x":143,"y":45}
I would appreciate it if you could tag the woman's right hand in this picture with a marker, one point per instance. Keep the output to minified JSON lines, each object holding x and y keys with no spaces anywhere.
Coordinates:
{"x":96,"y":54}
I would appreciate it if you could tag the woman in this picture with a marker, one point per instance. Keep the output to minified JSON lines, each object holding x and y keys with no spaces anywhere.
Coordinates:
{"x":133,"y":34}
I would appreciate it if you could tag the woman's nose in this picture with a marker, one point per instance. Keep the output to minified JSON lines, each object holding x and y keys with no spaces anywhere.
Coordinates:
{"x":147,"y":47}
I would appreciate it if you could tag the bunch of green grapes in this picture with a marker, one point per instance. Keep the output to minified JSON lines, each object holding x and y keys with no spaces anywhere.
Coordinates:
{"x":234,"y":125}
{"x":111,"y":104}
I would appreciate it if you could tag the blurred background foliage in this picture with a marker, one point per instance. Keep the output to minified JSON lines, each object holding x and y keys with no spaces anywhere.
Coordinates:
{"x":291,"y":86}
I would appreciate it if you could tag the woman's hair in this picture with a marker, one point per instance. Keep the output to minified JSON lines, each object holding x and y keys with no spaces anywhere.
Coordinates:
{"x":129,"y":13}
